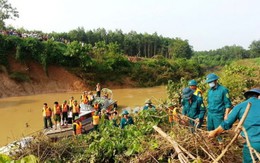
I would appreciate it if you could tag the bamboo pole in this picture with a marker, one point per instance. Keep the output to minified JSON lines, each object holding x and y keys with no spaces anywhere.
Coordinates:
{"x":237,"y":131}
{"x":182,"y":158}
{"x":250,"y":148}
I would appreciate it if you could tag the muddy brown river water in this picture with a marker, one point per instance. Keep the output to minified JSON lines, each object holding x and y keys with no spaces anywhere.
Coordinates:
{"x":22,"y":116}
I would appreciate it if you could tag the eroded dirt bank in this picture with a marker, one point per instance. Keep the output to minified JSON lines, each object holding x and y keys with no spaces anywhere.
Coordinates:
{"x":57,"y":80}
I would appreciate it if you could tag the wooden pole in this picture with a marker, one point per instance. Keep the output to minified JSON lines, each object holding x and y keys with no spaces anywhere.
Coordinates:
{"x":181,"y":156}
{"x":250,"y":148}
{"x":237,"y":131}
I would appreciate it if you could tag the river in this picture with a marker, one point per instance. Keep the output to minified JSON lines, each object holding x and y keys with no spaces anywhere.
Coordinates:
{"x":22,"y":116}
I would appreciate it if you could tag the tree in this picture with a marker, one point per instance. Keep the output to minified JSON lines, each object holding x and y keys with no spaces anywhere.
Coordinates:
{"x":7,"y":12}
{"x":255,"y":49}
{"x":180,"y":49}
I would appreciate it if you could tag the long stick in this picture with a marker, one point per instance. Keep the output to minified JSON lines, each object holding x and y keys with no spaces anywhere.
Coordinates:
{"x":181,"y":156}
{"x":237,"y":130}
{"x":250,"y":148}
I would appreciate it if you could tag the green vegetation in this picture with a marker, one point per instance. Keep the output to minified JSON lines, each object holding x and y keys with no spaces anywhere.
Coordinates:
{"x":98,"y":62}
{"x":7,"y":12}
{"x":19,"y":77}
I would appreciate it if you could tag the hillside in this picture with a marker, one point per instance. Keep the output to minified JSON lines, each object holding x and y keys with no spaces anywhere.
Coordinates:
{"x":36,"y":80}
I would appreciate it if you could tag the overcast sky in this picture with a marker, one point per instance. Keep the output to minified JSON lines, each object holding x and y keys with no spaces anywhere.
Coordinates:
{"x":206,"y":24}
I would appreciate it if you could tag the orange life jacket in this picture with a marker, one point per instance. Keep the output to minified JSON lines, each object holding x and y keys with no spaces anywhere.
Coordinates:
{"x":71,"y":103}
{"x":95,"y":120}
{"x":64,"y":108}
{"x":96,"y":106}
{"x":78,"y":128}
{"x":47,"y":112}
{"x":57,"y":109}
{"x":75,"y":108}
{"x":85,"y":99}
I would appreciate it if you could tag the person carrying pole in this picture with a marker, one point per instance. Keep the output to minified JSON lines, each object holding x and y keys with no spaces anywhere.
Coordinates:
{"x":219,"y":103}
{"x":251,"y":123}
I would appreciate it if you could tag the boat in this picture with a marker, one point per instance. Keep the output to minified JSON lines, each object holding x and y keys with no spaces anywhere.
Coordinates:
{"x":65,"y":131}
{"x":85,"y":117}
{"x":16,"y":146}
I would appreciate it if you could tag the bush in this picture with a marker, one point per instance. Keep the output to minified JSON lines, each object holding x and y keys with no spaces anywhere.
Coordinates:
{"x":19,"y":77}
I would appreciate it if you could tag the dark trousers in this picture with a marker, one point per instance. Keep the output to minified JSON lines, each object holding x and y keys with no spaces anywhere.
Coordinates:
{"x":98,"y":93}
{"x":74,"y":115}
{"x":65,"y":117}
{"x":47,"y":120}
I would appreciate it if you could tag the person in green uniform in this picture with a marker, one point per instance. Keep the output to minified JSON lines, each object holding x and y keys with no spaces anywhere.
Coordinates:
{"x":192,"y":107}
{"x":219,"y":103}
{"x":149,"y":105}
{"x":126,"y":119}
{"x":194,"y":86}
{"x":251,"y":123}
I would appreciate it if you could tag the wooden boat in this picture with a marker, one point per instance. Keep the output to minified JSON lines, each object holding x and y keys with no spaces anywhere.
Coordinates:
{"x":85,"y":117}
{"x":65,"y":131}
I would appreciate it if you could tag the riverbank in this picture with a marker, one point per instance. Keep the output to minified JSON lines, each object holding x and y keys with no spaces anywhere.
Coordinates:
{"x":23,"y":79}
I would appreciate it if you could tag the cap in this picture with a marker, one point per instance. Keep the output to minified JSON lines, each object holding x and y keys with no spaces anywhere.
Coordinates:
{"x":211,"y":77}
{"x":148,"y":101}
{"x":187,"y":92}
{"x":125,"y":112}
{"x":253,"y":90}
{"x":192,"y":82}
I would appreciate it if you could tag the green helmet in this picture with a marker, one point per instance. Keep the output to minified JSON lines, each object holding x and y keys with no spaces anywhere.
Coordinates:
{"x":192,"y":82}
{"x":211,"y":77}
{"x":125,"y":112}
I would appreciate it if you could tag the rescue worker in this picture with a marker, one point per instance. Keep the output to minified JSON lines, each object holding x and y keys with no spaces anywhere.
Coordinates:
{"x":65,"y":109}
{"x":95,"y":121}
{"x":98,"y":89}
{"x":71,"y":102}
{"x":149,"y":105}
{"x":75,"y":110}
{"x":192,"y":107}
{"x":113,"y":117}
{"x":126,"y":119}
{"x":104,"y":116}
{"x":172,"y":113}
{"x":90,"y":97}
{"x":251,"y":123}
{"x":77,"y":127}
{"x":193,"y":85}
{"x":219,"y":103}
{"x":57,"y":114}
{"x":96,"y":106}
{"x":47,"y":113}
{"x":84,"y":97}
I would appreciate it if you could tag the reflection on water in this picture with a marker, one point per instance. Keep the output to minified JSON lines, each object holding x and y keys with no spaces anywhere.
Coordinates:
{"x":21,"y":116}
{"x":6,"y":104}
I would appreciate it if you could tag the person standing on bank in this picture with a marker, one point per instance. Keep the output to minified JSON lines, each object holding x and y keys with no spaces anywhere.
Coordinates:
{"x":126,"y":119}
{"x":192,"y":107}
{"x":149,"y":105}
{"x":251,"y":123}
{"x":194,"y":86}
{"x":219,"y":103}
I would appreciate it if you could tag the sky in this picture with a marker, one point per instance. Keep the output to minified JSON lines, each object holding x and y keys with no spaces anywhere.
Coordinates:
{"x":206,"y":24}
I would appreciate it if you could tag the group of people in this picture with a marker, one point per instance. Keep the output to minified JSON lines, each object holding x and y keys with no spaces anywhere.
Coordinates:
{"x":220,"y":117}
{"x":60,"y":113}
